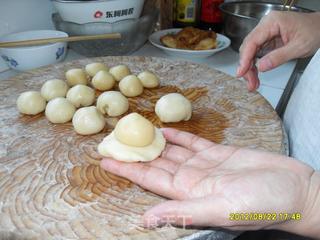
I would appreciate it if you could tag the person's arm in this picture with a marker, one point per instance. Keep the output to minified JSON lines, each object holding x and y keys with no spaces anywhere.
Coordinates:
{"x":210,"y":183}
{"x":297,"y":36}
{"x":310,"y":219}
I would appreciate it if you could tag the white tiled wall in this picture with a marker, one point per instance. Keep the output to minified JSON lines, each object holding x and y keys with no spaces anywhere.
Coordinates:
{"x":22,"y":15}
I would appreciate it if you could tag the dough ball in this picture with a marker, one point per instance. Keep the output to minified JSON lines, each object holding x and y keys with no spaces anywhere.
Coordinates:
{"x":88,"y":120}
{"x":54,"y":88}
{"x":119,"y":72}
{"x":149,"y":79}
{"x":31,"y":103}
{"x":173,"y":107}
{"x":81,"y":96}
{"x":131,"y":86}
{"x":93,"y":68}
{"x":60,"y":110}
{"x":103,"y":81}
{"x":112,"y":103}
{"x":76,"y":76}
{"x":111,"y":147}
{"x":134,"y":130}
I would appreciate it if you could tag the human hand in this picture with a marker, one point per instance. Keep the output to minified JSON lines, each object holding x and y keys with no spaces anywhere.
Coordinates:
{"x":208,"y":182}
{"x":294,"y":35}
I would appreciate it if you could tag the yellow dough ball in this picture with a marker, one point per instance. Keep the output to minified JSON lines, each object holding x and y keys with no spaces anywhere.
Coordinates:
{"x":76,"y":76}
{"x":31,"y":103}
{"x":149,"y":79}
{"x":103,"y":81}
{"x":120,"y":71}
{"x":88,"y":120}
{"x":134,"y":130}
{"x":60,"y":110}
{"x":173,"y":107}
{"x":131,"y":86}
{"x":54,"y":88}
{"x":112,"y":103}
{"x":93,"y":68}
{"x":81,"y":96}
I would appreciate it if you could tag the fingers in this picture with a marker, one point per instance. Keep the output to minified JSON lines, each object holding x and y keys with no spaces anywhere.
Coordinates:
{"x":165,"y":164}
{"x":263,"y":32}
{"x":187,"y":140}
{"x":196,"y":212}
{"x":151,"y":178}
{"x":277,"y":57}
{"x":253,"y":81}
{"x":176,"y":153}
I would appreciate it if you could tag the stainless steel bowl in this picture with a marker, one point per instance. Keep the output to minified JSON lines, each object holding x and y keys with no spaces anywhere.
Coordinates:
{"x":241,"y":17}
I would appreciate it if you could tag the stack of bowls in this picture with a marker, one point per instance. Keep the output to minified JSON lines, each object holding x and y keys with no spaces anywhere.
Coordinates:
{"x":128,"y":18}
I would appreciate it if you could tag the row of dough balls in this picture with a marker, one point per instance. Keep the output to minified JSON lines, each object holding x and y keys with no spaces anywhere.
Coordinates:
{"x":104,"y":79}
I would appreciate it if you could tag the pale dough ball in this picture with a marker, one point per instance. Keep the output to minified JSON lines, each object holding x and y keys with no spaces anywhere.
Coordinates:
{"x":88,"y":120}
{"x":31,"y":103}
{"x":120,"y":71}
{"x":173,"y":107}
{"x":112,"y":147}
{"x":54,"y":88}
{"x":131,"y":86}
{"x":103,"y":81}
{"x":60,"y":110}
{"x":81,"y":96}
{"x":134,"y":130}
{"x":112,"y":103}
{"x":149,"y":79}
{"x":93,"y":68}
{"x":76,"y":76}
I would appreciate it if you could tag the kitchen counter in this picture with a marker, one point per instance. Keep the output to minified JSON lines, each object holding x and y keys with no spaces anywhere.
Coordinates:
{"x":273,"y":82}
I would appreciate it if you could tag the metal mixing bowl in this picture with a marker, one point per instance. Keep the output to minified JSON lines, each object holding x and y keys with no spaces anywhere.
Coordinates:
{"x":241,"y":17}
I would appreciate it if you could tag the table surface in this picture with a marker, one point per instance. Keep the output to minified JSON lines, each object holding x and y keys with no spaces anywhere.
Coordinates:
{"x":273,"y":82}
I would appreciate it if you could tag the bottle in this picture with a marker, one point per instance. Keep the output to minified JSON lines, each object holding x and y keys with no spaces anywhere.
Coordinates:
{"x":185,"y":13}
{"x":211,"y":15}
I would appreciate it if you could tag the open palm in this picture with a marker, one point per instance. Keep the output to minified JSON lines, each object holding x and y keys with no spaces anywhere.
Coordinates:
{"x":208,"y":182}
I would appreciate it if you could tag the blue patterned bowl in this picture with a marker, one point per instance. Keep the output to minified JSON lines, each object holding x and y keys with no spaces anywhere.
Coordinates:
{"x":26,"y":58}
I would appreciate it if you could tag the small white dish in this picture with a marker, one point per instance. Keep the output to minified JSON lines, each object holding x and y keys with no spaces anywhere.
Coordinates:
{"x":109,"y":11}
{"x":26,"y":58}
{"x":223,"y":43}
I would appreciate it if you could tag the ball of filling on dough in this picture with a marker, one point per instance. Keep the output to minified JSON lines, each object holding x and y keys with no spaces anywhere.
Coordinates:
{"x":137,"y":128}
{"x":112,"y":103}
{"x":134,"y":130}
{"x":54,"y":88}
{"x":60,"y":110}
{"x":173,"y":107}
{"x":119,"y":72}
{"x":93,"y":68}
{"x":149,"y":79}
{"x":81,"y":96}
{"x":88,"y":120}
{"x":103,"y":81}
{"x":131,"y":86}
{"x":31,"y":103}
{"x":76,"y":76}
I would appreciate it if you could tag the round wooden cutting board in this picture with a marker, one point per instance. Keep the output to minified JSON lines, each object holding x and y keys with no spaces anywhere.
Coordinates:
{"x":51,"y":184}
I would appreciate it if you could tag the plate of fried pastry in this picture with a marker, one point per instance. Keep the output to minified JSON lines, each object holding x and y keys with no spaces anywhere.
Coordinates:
{"x":189,"y":42}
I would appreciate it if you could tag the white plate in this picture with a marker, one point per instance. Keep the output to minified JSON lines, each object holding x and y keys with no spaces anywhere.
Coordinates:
{"x":223,"y":43}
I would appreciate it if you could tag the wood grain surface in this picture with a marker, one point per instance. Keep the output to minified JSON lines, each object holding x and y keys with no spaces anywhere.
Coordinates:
{"x":51,"y":184}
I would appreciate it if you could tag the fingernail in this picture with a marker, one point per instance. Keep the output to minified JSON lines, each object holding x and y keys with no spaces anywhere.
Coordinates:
{"x":264,"y":64}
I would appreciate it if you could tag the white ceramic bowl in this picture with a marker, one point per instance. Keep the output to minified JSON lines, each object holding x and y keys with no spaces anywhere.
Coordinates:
{"x":98,"y":11}
{"x":223,"y":43}
{"x":25,"y":58}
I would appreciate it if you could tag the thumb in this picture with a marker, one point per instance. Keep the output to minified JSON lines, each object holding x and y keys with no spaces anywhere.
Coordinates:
{"x":277,"y":57}
{"x":196,"y":212}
